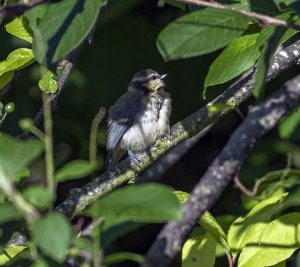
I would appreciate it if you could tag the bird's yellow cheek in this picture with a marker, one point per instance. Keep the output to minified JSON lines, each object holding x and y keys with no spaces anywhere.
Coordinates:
{"x":153,"y":85}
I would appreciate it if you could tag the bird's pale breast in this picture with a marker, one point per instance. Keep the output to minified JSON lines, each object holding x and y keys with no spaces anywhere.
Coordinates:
{"x":150,"y":123}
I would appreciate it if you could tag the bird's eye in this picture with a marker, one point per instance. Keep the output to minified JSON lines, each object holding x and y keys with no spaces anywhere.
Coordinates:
{"x":152,"y":78}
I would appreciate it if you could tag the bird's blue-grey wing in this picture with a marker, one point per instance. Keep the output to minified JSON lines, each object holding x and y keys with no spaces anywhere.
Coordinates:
{"x":121,"y":117}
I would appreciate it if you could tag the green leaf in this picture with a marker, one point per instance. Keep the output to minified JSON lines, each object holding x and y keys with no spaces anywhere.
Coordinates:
{"x":267,"y":32}
{"x":47,"y":83}
{"x":123,"y":256}
{"x":11,"y":251}
{"x":15,"y":155}
{"x":199,"y":251}
{"x":18,"y":59}
{"x":279,"y":240}
{"x":182,"y":196}
{"x":38,"y":196}
{"x":289,"y":126}
{"x":239,"y":56}
{"x":9,"y":213}
{"x":264,"y":62}
{"x":5,"y":78}
{"x":58,"y":35}
{"x":35,"y":14}
{"x":19,"y":27}
{"x":209,"y":223}
{"x":52,"y":234}
{"x":248,"y":229}
{"x":138,"y":203}
{"x":1,"y":109}
{"x":197,"y":33}
{"x":74,"y":169}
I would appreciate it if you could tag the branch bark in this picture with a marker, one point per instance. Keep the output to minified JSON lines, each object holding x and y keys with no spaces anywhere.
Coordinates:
{"x":259,"y":121}
{"x":81,"y":197}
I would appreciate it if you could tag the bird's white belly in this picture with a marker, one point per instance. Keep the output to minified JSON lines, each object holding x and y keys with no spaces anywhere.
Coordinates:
{"x":140,"y":136}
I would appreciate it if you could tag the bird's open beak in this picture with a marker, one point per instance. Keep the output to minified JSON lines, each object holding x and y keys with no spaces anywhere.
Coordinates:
{"x":163,"y":76}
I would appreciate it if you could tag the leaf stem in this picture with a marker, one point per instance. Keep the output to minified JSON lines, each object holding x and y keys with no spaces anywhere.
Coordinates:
{"x":48,"y":143}
{"x":93,"y":135}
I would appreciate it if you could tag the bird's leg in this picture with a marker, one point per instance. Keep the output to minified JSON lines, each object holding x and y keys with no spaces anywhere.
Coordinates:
{"x":134,"y":158}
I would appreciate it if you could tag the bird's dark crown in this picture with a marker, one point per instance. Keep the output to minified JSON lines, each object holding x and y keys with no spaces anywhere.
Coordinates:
{"x":147,"y":81}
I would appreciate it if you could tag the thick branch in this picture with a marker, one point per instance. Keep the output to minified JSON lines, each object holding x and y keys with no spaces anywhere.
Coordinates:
{"x":259,"y":121}
{"x":81,"y":197}
{"x":265,"y":19}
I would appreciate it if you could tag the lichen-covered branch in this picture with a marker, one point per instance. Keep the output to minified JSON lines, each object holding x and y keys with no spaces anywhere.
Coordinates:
{"x":81,"y":197}
{"x":226,"y":165}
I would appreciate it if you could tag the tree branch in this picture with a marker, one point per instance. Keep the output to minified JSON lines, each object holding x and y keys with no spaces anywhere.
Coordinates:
{"x":265,"y":19}
{"x":259,"y":121}
{"x":81,"y":197}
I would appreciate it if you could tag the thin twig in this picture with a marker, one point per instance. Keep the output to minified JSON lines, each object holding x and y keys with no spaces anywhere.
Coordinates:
{"x":265,"y":19}
{"x":244,"y":189}
{"x":226,"y":165}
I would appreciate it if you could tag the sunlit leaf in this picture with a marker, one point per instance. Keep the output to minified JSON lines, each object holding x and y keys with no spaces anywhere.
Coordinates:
{"x":199,"y":251}
{"x":248,"y":229}
{"x":47,"y":83}
{"x":239,"y":56}
{"x":19,"y":27}
{"x":278,"y":241}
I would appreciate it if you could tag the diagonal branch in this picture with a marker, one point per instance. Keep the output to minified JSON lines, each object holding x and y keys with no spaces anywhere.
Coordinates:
{"x":260,"y":120}
{"x":81,"y":197}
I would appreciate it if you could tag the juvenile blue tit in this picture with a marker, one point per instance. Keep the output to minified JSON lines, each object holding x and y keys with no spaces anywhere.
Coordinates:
{"x":138,"y":118}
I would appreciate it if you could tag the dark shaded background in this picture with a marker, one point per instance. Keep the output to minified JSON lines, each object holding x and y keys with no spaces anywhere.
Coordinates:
{"x":125,"y":43}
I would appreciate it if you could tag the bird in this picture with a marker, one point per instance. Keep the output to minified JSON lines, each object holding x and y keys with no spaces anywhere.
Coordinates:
{"x":138,"y":118}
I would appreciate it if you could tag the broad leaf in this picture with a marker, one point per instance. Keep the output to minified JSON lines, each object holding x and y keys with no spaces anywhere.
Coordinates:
{"x":19,"y":27}
{"x":277,"y":243}
{"x":5,"y":78}
{"x":239,"y":56}
{"x":52,"y":234}
{"x":38,"y":196}
{"x":249,"y":229}
{"x":74,"y":170}
{"x":63,"y":28}
{"x":9,"y":213}
{"x":197,"y":33}
{"x":199,"y":251}
{"x":138,"y":203}
{"x":15,"y":155}
{"x":16,"y":60}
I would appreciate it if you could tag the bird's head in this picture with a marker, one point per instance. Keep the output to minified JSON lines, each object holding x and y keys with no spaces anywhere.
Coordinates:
{"x":147,"y":81}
